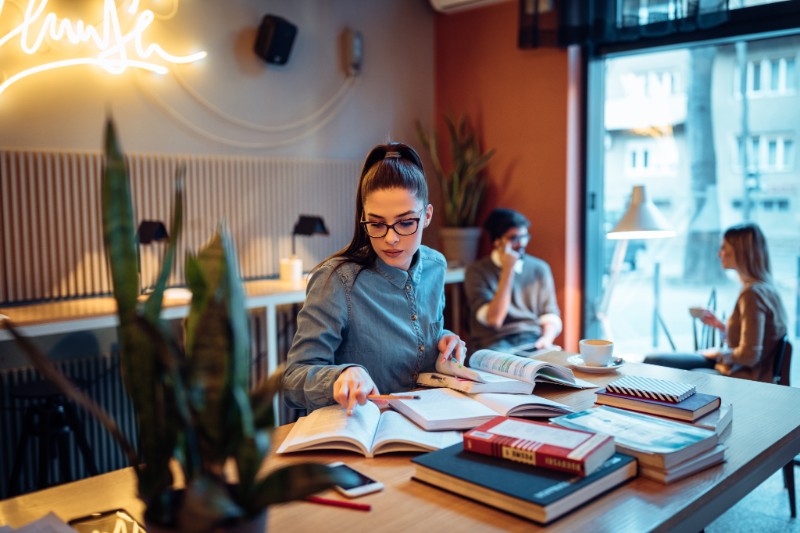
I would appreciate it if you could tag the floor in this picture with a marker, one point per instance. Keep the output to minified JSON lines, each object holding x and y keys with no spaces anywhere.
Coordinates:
{"x":765,"y":510}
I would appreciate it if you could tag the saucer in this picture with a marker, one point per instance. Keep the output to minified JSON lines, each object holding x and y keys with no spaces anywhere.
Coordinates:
{"x":613,"y":365}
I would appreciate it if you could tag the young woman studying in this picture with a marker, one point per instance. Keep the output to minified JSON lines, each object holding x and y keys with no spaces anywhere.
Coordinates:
{"x":757,"y":323}
{"x":372,"y":318}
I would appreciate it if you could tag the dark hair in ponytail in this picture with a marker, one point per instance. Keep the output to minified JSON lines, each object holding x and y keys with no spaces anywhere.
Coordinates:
{"x":387,"y":166}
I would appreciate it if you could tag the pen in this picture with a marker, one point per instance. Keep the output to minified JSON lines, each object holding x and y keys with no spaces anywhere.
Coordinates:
{"x":339,"y":503}
{"x":393,"y":397}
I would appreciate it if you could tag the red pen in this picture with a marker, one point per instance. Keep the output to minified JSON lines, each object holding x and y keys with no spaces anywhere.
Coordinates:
{"x":339,"y":503}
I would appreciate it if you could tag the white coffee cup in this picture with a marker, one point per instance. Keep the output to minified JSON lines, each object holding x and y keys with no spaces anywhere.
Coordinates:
{"x":596,"y":352}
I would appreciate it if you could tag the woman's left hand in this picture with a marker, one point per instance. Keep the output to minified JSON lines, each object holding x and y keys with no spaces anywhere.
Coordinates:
{"x":451,"y":345}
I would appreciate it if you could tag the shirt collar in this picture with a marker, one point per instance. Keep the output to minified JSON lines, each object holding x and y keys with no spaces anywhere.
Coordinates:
{"x":397,"y":276}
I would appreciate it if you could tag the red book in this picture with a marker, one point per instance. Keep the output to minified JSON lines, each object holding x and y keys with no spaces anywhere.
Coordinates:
{"x":540,"y":444}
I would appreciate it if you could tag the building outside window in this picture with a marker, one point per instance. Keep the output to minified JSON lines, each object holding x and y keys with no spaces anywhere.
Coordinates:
{"x":709,"y":158}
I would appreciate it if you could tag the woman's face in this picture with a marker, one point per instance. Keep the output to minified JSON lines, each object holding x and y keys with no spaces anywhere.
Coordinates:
{"x":400,"y":207}
{"x":726,"y":255}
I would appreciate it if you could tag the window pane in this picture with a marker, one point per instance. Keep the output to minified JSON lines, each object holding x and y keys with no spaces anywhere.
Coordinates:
{"x":708,"y":161}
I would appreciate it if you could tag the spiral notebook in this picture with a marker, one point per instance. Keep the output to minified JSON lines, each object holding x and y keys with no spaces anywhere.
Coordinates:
{"x":655,"y":389}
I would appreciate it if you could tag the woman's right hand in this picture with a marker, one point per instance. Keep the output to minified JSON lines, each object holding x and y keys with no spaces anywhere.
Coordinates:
{"x":710,"y":319}
{"x":353,"y":386}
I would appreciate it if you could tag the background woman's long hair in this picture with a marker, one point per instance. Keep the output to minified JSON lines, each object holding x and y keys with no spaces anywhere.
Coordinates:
{"x":750,"y":251}
{"x":403,"y":171}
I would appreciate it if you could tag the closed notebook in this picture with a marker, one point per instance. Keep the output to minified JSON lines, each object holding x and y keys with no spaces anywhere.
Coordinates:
{"x":541,"y":444}
{"x":537,"y":494}
{"x":690,"y":409}
{"x":655,"y":389}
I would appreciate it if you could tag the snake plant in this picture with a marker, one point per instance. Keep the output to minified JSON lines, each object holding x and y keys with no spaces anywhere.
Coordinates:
{"x":463,"y":186}
{"x":194,"y":408}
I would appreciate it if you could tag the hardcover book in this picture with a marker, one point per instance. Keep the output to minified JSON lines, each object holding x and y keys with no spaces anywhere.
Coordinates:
{"x":656,"y":442}
{"x":538,"y":494}
{"x":540,"y":444}
{"x":367,"y":431}
{"x":690,"y":409}
{"x":443,"y":409}
{"x":656,"y":389}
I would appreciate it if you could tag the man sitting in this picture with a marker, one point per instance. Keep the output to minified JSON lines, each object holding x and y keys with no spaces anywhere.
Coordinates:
{"x":511,"y":295}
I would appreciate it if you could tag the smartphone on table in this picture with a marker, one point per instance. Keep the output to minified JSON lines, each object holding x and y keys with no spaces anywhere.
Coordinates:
{"x":364,"y":485}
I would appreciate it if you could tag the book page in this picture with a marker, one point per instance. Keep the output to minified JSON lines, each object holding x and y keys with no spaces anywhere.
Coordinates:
{"x":522,"y":368}
{"x":442,"y":409}
{"x":331,"y":428}
{"x":504,"y":403}
{"x":451,"y":368}
{"x":397,"y":433}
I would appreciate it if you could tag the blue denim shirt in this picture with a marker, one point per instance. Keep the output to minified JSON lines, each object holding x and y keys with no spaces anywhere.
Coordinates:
{"x":385,"y":319}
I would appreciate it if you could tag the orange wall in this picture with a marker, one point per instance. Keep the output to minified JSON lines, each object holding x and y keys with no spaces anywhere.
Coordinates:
{"x":523,"y":103}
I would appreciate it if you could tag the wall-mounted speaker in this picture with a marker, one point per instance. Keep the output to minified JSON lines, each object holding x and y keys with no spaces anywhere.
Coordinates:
{"x":274,"y":40}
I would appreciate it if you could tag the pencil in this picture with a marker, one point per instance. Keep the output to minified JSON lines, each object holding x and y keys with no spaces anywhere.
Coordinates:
{"x":339,"y":503}
{"x":393,"y":397}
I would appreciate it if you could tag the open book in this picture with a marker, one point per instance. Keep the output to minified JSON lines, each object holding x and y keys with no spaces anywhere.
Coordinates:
{"x":491,"y":371}
{"x":366,"y":431}
{"x":445,"y":409}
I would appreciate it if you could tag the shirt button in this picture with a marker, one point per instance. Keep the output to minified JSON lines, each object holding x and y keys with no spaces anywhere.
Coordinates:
{"x":408,"y":287}
{"x":421,"y":348}
{"x":413,"y":317}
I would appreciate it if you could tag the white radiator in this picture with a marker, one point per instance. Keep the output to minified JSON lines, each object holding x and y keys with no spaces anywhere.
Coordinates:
{"x":51,"y":243}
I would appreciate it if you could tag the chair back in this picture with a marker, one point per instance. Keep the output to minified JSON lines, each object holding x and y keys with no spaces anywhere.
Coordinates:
{"x":782,"y":362}
{"x":706,"y":336}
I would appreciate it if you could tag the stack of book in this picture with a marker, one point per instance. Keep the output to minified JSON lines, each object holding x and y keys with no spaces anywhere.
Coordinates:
{"x":563,"y":468}
{"x":668,"y":399}
{"x":666,"y":450}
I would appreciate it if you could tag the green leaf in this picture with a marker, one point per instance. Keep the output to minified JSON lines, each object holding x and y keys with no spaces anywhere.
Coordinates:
{"x":118,"y":225}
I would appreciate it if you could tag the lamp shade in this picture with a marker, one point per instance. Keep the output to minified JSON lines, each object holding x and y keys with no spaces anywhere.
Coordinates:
{"x":309,"y":225}
{"x":150,"y":231}
{"x":642,"y":220}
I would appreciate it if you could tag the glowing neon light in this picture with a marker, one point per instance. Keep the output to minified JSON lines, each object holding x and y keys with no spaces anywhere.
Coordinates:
{"x":114,"y":47}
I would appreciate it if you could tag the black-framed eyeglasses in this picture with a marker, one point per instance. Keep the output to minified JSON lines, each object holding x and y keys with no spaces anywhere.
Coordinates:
{"x":404,"y":228}
{"x":519,"y":239}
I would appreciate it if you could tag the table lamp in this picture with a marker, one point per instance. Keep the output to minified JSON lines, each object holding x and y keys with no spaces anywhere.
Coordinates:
{"x":149,"y":231}
{"x":291,"y":268}
{"x":642,"y":220}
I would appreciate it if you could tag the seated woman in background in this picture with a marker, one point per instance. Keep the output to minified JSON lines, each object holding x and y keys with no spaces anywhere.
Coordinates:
{"x":757,"y":323}
{"x":372,"y":320}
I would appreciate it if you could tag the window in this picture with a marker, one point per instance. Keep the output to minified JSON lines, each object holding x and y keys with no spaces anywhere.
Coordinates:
{"x":768,"y":77}
{"x":666,"y":119}
{"x":764,"y":153}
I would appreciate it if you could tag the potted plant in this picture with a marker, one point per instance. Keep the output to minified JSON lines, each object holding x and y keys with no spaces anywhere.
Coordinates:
{"x":462,"y":186}
{"x":192,"y":400}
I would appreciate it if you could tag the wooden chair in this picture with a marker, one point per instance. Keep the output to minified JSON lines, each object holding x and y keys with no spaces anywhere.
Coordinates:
{"x":781,"y":365}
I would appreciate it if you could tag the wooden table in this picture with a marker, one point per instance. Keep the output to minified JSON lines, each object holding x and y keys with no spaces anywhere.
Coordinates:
{"x":765,"y":435}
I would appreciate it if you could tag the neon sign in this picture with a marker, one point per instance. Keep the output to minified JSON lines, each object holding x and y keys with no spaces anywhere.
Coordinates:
{"x":117,"y":49}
